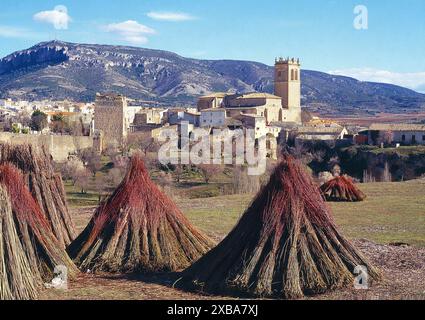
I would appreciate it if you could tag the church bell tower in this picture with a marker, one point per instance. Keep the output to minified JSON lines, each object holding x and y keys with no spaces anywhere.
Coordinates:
{"x":287,"y":85}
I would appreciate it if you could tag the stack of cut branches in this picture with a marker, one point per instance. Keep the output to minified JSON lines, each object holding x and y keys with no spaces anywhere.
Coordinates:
{"x":46,"y":187}
{"x":30,"y":251}
{"x":342,"y":188}
{"x":286,"y":245}
{"x":16,"y":279}
{"x":138,"y":229}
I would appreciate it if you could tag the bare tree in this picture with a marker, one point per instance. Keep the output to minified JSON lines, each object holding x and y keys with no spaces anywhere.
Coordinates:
{"x":92,"y":160}
{"x":77,"y":128}
{"x":386,"y":137}
{"x":24,"y":118}
{"x":115,"y":176}
{"x":368,"y":176}
{"x":178,"y":172}
{"x":244,"y":183}
{"x":386,"y":174}
{"x":143,"y":141}
{"x":208,"y":171}
{"x":120,"y":162}
{"x":164,"y":179}
{"x":69,"y":169}
{"x":82,"y":180}
{"x":100,"y":186}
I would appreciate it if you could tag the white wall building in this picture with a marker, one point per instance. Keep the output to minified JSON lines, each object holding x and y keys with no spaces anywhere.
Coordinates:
{"x":403,"y":133}
{"x":213,"y":117}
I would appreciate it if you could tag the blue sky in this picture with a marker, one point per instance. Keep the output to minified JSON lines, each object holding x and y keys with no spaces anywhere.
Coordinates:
{"x":320,"y":32}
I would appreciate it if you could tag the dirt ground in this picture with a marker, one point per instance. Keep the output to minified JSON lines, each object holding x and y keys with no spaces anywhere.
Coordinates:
{"x":402,"y":267}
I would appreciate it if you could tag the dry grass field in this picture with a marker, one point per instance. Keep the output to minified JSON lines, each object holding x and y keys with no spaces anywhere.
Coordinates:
{"x":393,"y":213}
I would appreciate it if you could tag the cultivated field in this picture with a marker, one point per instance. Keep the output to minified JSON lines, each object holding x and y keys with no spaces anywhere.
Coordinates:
{"x":389,"y":227}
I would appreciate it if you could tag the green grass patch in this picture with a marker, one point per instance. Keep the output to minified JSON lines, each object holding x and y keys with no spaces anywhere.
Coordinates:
{"x":404,"y":150}
{"x":204,"y":191}
{"x":393,"y":212}
{"x":77,"y":199}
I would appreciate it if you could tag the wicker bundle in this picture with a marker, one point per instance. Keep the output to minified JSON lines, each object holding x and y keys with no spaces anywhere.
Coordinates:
{"x":138,"y":229}
{"x":46,"y":187}
{"x":16,"y":279}
{"x":286,"y":245}
{"x":29,"y":250}
{"x":342,"y":188}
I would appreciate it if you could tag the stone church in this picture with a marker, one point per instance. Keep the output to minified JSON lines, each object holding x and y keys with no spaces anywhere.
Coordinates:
{"x":282,"y":107}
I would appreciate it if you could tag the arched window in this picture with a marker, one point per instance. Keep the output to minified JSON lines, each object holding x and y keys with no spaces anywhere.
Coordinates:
{"x":296,"y":75}
{"x":292,"y":74}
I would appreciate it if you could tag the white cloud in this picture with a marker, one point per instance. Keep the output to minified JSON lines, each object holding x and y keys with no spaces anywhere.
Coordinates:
{"x":130,"y":31}
{"x":58,"y":17}
{"x":170,"y":16}
{"x":412,"y":80}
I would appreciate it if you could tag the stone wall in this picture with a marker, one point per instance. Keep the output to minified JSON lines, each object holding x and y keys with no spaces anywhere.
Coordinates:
{"x":60,"y":147}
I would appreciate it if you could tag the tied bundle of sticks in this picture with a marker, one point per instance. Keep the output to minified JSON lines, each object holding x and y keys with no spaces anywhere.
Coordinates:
{"x":342,"y":188}
{"x":286,"y":245}
{"x":46,"y":187}
{"x":138,"y":229}
{"x":29,"y":250}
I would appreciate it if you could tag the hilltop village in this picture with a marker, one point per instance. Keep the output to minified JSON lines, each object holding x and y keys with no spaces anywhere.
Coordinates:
{"x":65,"y":127}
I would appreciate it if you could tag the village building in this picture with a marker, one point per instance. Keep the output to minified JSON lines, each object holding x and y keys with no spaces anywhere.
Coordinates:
{"x":131,"y":113}
{"x":214,"y":100}
{"x":177,"y":116}
{"x":148,"y":116}
{"x":214,"y":117}
{"x":260,"y":104}
{"x":395,"y":133}
{"x":255,"y":122}
{"x":320,"y":133}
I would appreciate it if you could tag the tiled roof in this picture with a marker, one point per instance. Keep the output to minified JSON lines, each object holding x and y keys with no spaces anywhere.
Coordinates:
{"x":214,"y":95}
{"x":320,"y":130}
{"x":257,"y":95}
{"x":396,"y":127}
{"x":214,"y":110}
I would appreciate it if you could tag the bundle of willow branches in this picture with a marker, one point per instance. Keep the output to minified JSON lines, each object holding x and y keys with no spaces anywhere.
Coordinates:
{"x":30,"y":251}
{"x":16,"y":279}
{"x":45,"y":186}
{"x":138,"y":229}
{"x":286,"y":245}
{"x":342,"y":188}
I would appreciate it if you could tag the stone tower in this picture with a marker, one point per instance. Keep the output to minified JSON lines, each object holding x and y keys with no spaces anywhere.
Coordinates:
{"x":110,"y":118}
{"x":287,"y":85}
